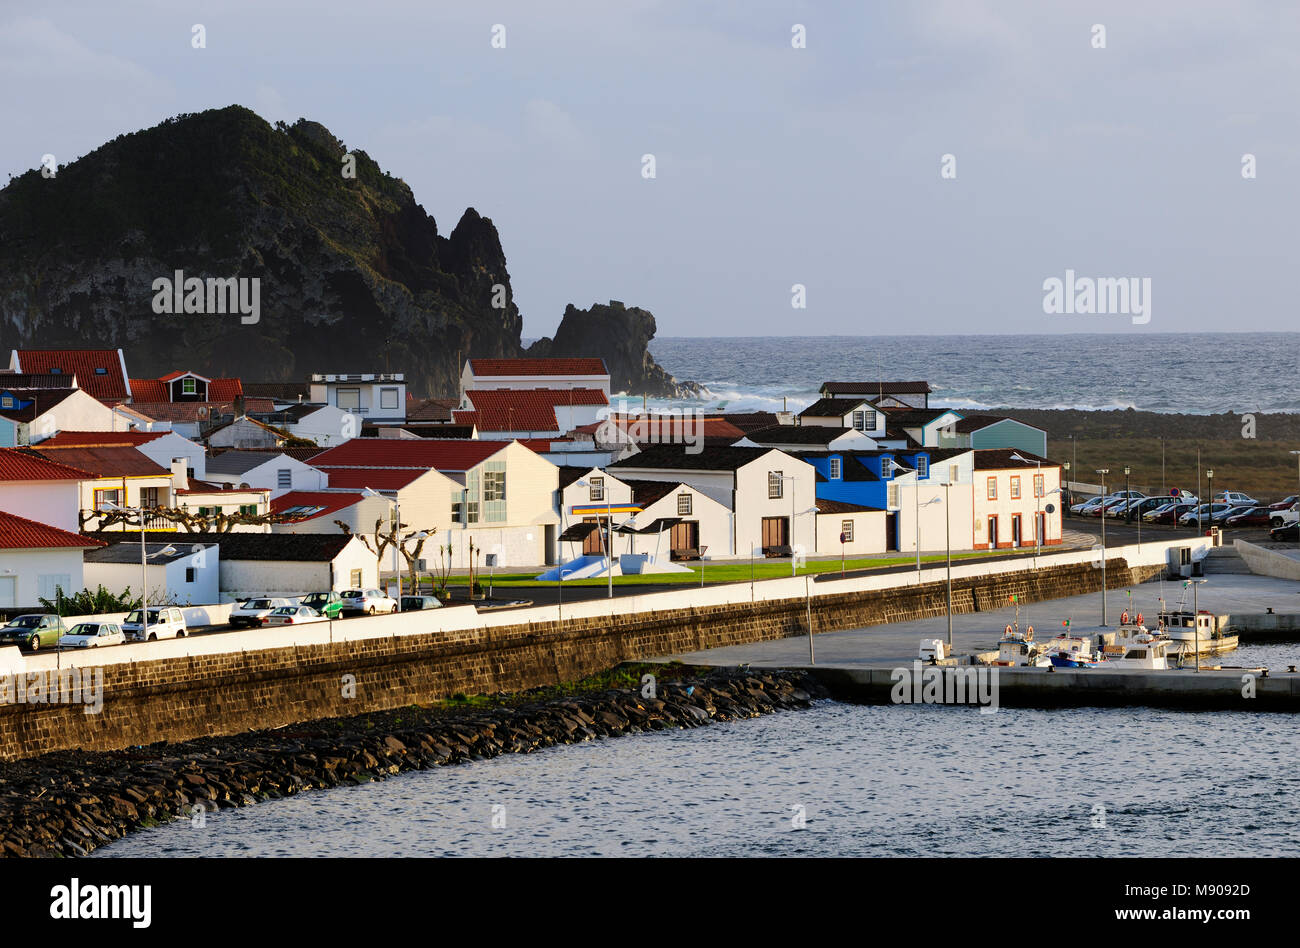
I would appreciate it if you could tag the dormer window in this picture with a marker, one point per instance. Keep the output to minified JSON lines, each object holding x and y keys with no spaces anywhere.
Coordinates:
{"x":835,"y":469}
{"x":190,"y":386}
{"x":860,"y":420}
{"x":922,"y":466}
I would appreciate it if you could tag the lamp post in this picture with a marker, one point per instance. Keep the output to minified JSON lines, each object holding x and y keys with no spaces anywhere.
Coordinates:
{"x":947,"y":542}
{"x":1103,"y":472}
{"x":397,"y":536}
{"x":1209,"y":489}
{"x":1066,"y":486}
{"x":793,"y":559}
{"x":144,"y":570}
{"x":1128,"y":497}
{"x":1196,"y":620}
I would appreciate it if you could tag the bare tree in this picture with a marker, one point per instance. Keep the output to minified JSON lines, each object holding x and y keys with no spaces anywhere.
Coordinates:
{"x":380,"y":542}
{"x":190,"y":521}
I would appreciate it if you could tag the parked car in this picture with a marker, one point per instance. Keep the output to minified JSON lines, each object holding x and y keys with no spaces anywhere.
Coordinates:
{"x":368,"y":601}
{"x":416,"y":603}
{"x":329,"y":604}
{"x":1104,"y":508}
{"x":1282,"y":534}
{"x":1287,"y":504}
{"x":1204,"y":513}
{"x":293,"y":615}
{"x":1220,"y":518}
{"x":1135,"y":507}
{"x":1236,"y":498}
{"x":1169,"y":513}
{"x":1250,"y":517}
{"x":165,"y":622}
{"x":253,"y":612}
{"x":93,"y":635}
{"x":34,"y":630}
{"x":1125,"y":495}
{"x":1287,"y":515}
{"x":1087,"y":506}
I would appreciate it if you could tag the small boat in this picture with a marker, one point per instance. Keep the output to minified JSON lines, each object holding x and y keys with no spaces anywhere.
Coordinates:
{"x":1151,"y":653}
{"x":1019,"y":648}
{"x":1188,"y":630}
{"x":1072,"y":651}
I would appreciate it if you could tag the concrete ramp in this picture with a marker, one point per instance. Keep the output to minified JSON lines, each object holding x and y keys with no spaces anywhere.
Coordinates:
{"x":584,"y":567}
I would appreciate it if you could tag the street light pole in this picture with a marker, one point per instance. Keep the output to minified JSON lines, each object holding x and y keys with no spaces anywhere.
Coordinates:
{"x":1209,"y":489}
{"x":947,"y":542}
{"x":1103,"y":472}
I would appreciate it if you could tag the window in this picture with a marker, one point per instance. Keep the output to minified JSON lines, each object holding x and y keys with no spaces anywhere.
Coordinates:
{"x":190,"y":386}
{"x":105,"y":497}
{"x":1015,"y":487}
{"x":189,"y":574}
{"x":53,"y":585}
{"x":100,"y":370}
{"x":354,"y":578}
{"x":887,"y":468}
{"x":846,"y":531}
{"x":284,"y":478}
{"x":388,"y":398}
{"x":893,"y":496}
{"x":56,"y":371}
{"x":952,"y":473}
{"x":860,"y":420}
{"x":248,"y":509}
{"x":1038,"y":485}
{"x":349,"y":399}
{"x":6,"y":401}
{"x":993,"y":488}
{"x":148,"y":497}
{"x":774,"y":485}
{"x":494,"y":485}
{"x":922,"y":466}
{"x":457,"y":507}
{"x":596,"y":489}
{"x":835,"y":469}
{"x":684,"y":505}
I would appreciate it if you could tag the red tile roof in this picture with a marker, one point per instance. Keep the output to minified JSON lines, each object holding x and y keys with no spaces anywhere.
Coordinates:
{"x":376,"y":478}
{"x":110,"y":385}
{"x":19,"y":533}
{"x":331,"y":501}
{"x":528,"y":409}
{"x":429,"y":409}
{"x":103,"y":462}
{"x":18,"y":465}
{"x":157,"y":390}
{"x":415,"y":454}
{"x":102,"y":439}
{"x":562,"y":367}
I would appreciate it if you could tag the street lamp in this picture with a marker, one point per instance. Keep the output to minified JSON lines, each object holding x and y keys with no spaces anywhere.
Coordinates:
{"x":947,"y":542}
{"x":397,"y":535}
{"x":1103,"y":472}
{"x":1066,"y":496}
{"x":144,"y":569}
{"x":1196,"y":618}
{"x":1209,"y":489}
{"x":1128,"y":498}
{"x":607,"y":544}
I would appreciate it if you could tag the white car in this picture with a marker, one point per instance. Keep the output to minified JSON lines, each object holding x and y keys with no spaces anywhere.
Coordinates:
{"x":253,"y":612}
{"x":1236,"y":498}
{"x":92,"y":635}
{"x":293,"y":615}
{"x":165,"y":622}
{"x":368,"y":601}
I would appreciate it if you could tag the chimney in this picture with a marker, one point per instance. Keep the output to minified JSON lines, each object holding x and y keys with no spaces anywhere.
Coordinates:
{"x":180,"y":474}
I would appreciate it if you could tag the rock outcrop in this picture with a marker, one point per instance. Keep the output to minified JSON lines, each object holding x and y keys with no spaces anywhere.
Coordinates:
{"x":621,"y":336}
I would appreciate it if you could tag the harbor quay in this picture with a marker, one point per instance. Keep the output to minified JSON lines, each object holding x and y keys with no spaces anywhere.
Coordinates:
{"x":880,"y":664}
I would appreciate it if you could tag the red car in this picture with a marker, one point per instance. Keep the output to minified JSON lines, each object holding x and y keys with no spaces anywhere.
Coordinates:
{"x":1172,"y":514}
{"x":1284,"y":504}
{"x":1254,"y":517}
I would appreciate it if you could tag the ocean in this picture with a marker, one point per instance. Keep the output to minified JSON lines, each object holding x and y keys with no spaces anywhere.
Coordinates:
{"x":1191,"y":373}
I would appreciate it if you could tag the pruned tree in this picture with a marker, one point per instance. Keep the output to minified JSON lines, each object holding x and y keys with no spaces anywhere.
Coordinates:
{"x":191,"y":521}
{"x":380,"y":541}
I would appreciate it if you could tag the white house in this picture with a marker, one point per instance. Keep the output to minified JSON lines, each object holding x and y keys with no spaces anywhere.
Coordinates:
{"x":38,"y":561}
{"x":317,"y":511}
{"x":162,"y":447}
{"x":184,"y":571}
{"x":325,"y":425}
{"x":507,"y":414}
{"x":856,"y":413}
{"x":40,"y":414}
{"x":771,"y":492}
{"x":849,"y":529}
{"x":373,"y":396}
{"x":808,"y":438}
{"x":534,"y":373}
{"x":1010,"y":500}
{"x":118,"y":475}
{"x":246,"y":433}
{"x":882,"y":394}
{"x":279,"y":472}
{"x":287,"y":564}
{"x":43,"y":490}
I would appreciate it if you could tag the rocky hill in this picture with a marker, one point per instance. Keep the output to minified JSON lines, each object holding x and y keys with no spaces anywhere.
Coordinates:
{"x":353,"y":275}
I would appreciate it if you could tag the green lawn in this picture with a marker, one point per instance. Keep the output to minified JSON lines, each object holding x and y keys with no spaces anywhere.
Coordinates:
{"x":729,"y":572}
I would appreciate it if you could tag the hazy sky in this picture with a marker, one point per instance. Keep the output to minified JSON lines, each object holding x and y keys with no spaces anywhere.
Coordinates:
{"x":774,"y":165}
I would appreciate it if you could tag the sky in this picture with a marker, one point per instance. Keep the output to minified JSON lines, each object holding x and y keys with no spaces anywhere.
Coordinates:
{"x":776,"y":164}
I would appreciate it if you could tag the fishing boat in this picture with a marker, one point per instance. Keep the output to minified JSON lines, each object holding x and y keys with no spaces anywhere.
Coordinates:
{"x":1072,"y":651}
{"x":1150,"y":652}
{"x":1195,"y":633}
{"x":1019,"y":648}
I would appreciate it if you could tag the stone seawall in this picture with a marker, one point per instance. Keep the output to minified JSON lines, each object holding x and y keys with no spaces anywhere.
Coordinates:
{"x":179,"y":699}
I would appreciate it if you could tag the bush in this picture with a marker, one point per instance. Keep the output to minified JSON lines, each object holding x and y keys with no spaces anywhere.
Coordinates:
{"x":86,"y":603}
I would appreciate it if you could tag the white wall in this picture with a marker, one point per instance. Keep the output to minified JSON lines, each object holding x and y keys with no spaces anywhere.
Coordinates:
{"x":305,"y":477}
{"x":77,"y":412}
{"x":21,"y":571}
{"x":868,"y":533}
{"x":714,"y":521}
{"x":54,"y":502}
{"x":1004,"y":507}
{"x":753,"y":504}
{"x":172,"y":445}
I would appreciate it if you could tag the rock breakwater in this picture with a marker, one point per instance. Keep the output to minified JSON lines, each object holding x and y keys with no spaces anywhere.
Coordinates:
{"x":70,"y":803}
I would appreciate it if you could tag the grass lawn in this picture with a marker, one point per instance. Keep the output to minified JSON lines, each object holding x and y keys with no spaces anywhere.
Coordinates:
{"x":728,"y":572}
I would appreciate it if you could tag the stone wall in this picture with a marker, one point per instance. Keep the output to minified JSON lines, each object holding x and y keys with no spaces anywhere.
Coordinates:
{"x":224,"y":693}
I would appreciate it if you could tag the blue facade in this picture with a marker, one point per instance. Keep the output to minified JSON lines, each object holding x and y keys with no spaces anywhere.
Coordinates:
{"x":853,"y":485}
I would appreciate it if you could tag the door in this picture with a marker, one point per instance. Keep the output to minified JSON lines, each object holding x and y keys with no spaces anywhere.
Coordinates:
{"x":993,"y":533}
{"x":891,"y":531}
{"x":685,"y":536}
{"x":8,"y":591}
{"x":1040,"y":528}
{"x":1015,"y":530}
{"x":775,"y":532}
{"x":592,"y":545}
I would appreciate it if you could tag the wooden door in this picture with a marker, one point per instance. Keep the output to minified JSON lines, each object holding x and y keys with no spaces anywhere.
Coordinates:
{"x":593,"y":544}
{"x":685,"y":536}
{"x":775,"y":531}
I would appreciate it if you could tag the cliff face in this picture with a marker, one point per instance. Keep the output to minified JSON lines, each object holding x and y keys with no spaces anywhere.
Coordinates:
{"x":352,"y":274}
{"x":620,"y":335}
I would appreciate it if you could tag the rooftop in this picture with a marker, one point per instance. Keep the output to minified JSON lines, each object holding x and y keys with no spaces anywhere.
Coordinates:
{"x":873,"y":389}
{"x":21,"y":465}
{"x":99,"y":371}
{"x":482,"y":368}
{"x":310,"y":504}
{"x":452,"y":454}
{"x":124,"y":461}
{"x":19,"y":533}
{"x":677,"y":457}
{"x":286,"y":547}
